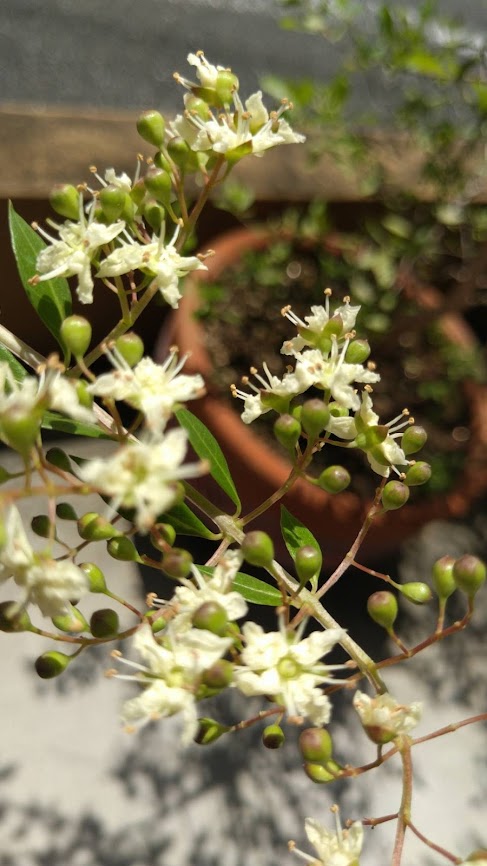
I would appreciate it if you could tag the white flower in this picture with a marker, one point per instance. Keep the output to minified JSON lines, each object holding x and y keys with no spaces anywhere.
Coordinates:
{"x":384,"y":718}
{"x":172,"y":675}
{"x":141,"y":475}
{"x":340,"y":848}
{"x":218,"y":589}
{"x":275,"y":393}
{"x":334,"y":374}
{"x":163,"y":262}
{"x":72,"y":255}
{"x":206,"y":73}
{"x":48,"y":583}
{"x":388,"y":453}
{"x":313,"y":326}
{"x":153,"y":389}
{"x":64,"y":398}
{"x":281,"y":666}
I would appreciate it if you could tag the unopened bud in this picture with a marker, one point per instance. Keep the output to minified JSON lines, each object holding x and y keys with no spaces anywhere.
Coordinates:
{"x":316,"y":745}
{"x":197,"y":106}
{"x":19,"y":428}
{"x":382,"y":607}
{"x":208,"y":731}
{"x":96,"y":578}
{"x":315,"y":415}
{"x":151,"y":126}
{"x":59,"y":458}
{"x":212,"y":617}
{"x":357,"y":352}
{"x":93,"y":527}
{"x":76,"y":334}
{"x":159,"y":184}
{"x":162,"y":536}
{"x":72,"y":622}
{"x":219,"y":676}
{"x":273,"y":737}
{"x":287,"y":431}
{"x":180,"y":152}
{"x":41,"y":525}
{"x":416,"y":591}
{"x":65,"y":511}
{"x":469,"y":574}
{"x":154,"y":214}
{"x":177,"y":563}
{"x":51,"y":664}
{"x":413,"y":439}
{"x":131,"y":348}
{"x":394,"y":495}
{"x":442,"y":577}
{"x":226,"y":85}
{"x":65,"y":200}
{"x":308,"y":561}
{"x":113,"y":201}
{"x":319,"y":774}
{"x":334,"y":479}
{"x":12,"y":619}
{"x":258,"y":549}
{"x":418,"y":473}
{"x":104,"y":623}
{"x":123,"y":549}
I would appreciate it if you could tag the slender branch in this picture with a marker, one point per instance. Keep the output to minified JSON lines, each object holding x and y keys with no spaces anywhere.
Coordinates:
{"x":404,"y":815}
{"x":433,"y":845}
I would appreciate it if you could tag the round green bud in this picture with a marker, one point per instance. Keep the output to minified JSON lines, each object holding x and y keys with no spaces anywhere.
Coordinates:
{"x":104,"y":623}
{"x":315,"y":415}
{"x":131,"y":348}
{"x":93,"y":527}
{"x":177,"y":563}
{"x":159,"y":184}
{"x":442,"y":577}
{"x":65,"y":511}
{"x":51,"y":664}
{"x":334,"y":479}
{"x":123,"y":549}
{"x":160,"y":161}
{"x":158,"y":624}
{"x":315,"y":745}
{"x":226,"y":84}
{"x":65,"y":200}
{"x":394,"y":495}
{"x":273,"y":737}
{"x":212,"y":617}
{"x":76,"y":334}
{"x":154,"y":214}
{"x":96,"y":578}
{"x":72,"y":622}
{"x":12,"y":619}
{"x":41,"y":525}
{"x":308,"y":561}
{"x":162,"y":536}
{"x":287,"y":431}
{"x":219,"y":676}
{"x":333,"y":327}
{"x":413,"y":439}
{"x":138,"y":192}
{"x":113,"y":201}
{"x":198,"y":107}
{"x":357,"y":352}
{"x":418,"y":473}
{"x":382,"y":607}
{"x":180,"y":153}
{"x":469,"y":574}
{"x":416,"y":591}
{"x":20,"y":428}
{"x":258,"y":549}
{"x":151,"y":126}
{"x":59,"y":458}
{"x":208,"y":731}
{"x":317,"y":773}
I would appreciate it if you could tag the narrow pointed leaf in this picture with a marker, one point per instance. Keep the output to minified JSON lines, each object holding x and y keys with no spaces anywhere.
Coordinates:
{"x":207,"y":448}
{"x":253,"y":590}
{"x":54,"y":421}
{"x":19,"y":373}
{"x":52,"y":298}
{"x":185,"y":522}
{"x":295,"y":533}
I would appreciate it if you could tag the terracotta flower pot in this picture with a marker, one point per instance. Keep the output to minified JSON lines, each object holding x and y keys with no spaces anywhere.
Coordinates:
{"x":258,"y":471}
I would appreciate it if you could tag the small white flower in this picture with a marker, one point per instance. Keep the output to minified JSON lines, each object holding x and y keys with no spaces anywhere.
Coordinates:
{"x":48,"y":583}
{"x":72,"y":255}
{"x":153,"y":389}
{"x":161,"y":261}
{"x":334,"y":374}
{"x":171,"y":675}
{"x":313,"y":326}
{"x":218,"y":589}
{"x":388,"y":454}
{"x":206,"y":72}
{"x":339,"y":848}
{"x":281,"y":666}
{"x":274,"y":393}
{"x":141,"y":475}
{"x":383,"y":718}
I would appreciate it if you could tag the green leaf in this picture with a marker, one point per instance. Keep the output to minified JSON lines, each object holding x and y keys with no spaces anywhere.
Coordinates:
{"x":253,"y":590}
{"x":54,"y":421}
{"x":52,"y":298}
{"x":16,"y":367}
{"x":207,"y":448}
{"x":185,"y":522}
{"x":295,"y":533}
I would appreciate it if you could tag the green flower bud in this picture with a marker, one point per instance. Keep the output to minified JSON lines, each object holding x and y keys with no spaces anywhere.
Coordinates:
{"x":96,"y":578}
{"x":219,"y":676}
{"x":159,"y":184}
{"x":76,"y":335}
{"x":154,"y":214}
{"x":93,"y":527}
{"x":469,"y":574}
{"x":382,"y":608}
{"x":208,"y":731}
{"x":442,"y":577}
{"x":418,"y":473}
{"x":72,"y":622}
{"x":160,"y":161}
{"x":308,"y":561}
{"x":394,"y":495}
{"x":357,"y":352}
{"x":315,"y":415}
{"x":180,"y":152}
{"x":258,"y":549}
{"x":333,"y":327}
{"x":51,"y":664}
{"x":287,"y":431}
{"x":131,"y":348}
{"x":416,"y":591}
{"x":12,"y":619}
{"x":138,"y":192}
{"x":162,"y":536}
{"x":334,"y":479}
{"x":113,"y":201}
{"x":212,"y":617}
{"x":151,"y":126}
{"x":198,"y":107}
{"x":65,"y":200}
{"x":177,"y":563}
{"x":65,"y":511}
{"x":158,"y":624}
{"x":20,"y":428}
{"x":104,"y":623}
{"x":319,"y":774}
{"x":413,"y":439}
{"x":123,"y":549}
{"x":273,"y":737}
{"x":41,"y":525}
{"x":226,"y":84}
{"x":59,"y":458}
{"x":316,"y":745}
